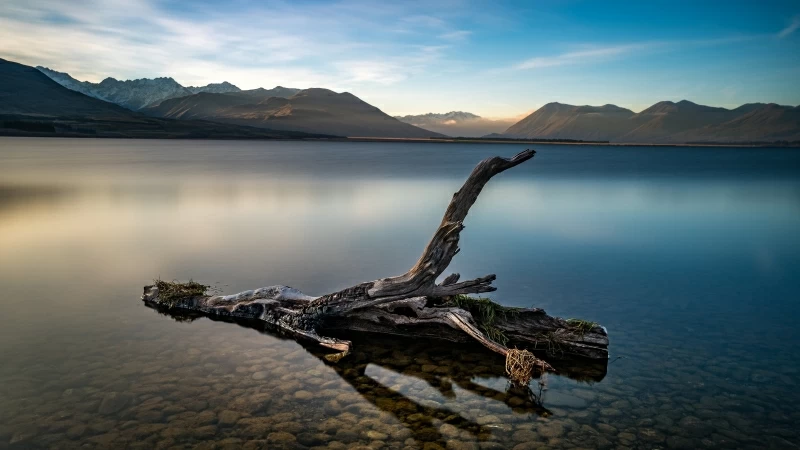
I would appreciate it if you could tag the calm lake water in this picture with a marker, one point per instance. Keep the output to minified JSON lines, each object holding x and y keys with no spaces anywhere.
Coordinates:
{"x":689,"y":256}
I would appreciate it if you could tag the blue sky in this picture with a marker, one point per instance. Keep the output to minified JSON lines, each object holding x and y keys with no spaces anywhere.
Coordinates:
{"x":493,"y":58}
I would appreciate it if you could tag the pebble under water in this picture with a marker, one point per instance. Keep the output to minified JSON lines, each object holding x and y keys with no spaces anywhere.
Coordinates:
{"x":695,"y":277}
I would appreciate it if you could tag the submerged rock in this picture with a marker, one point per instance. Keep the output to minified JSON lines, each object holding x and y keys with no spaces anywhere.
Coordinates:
{"x":555,"y":398}
{"x":524,"y":436}
{"x":228,"y":417}
{"x":550,"y":429}
{"x":113,"y":402}
{"x":651,"y":435}
{"x":376,"y":435}
{"x":76,"y":431}
{"x":679,"y":442}
{"x":280,"y":437}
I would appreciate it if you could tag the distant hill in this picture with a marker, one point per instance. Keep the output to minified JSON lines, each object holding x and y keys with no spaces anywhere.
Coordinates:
{"x":32,"y":104}
{"x":560,"y":121}
{"x":757,"y":122}
{"x":134,"y":94}
{"x":313,"y":110}
{"x":457,"y":123}
{"x":664,"y":122}
{"x":455,"y":116}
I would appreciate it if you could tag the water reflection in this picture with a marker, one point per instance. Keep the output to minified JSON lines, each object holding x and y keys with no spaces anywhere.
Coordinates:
{"x":690,"y":257}
{"x":400,"y":362}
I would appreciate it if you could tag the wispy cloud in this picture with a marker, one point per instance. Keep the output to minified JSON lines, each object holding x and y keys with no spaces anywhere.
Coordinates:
{"x":458,"y":35}
{"x":587,"y":55}
{"x":390,"y":69}
{"x":423,"y":21}
{"x":791,"y":28}
{"x":592,"y":54}
{"x":270,"y":43}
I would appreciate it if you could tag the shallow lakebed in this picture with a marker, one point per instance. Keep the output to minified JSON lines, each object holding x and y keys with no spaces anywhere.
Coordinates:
{"x":689,"y":256}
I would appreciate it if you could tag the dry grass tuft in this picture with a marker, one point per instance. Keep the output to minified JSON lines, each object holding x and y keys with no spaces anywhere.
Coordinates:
{"x":581,"y":326}
{"x":520,"y":365}
{"x":170,"y":293}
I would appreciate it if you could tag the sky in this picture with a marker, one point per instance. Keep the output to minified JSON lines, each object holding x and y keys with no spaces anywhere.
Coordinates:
{"x":498,"y":59}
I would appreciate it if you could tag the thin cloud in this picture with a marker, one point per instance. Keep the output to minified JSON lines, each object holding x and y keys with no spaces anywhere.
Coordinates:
{"x":389,"y":70}
{"x":372,"y":72}
{"x":423,"y":21}
{"x":458,"y":35}
{"x":791,"y":28}
{"x":264,"y":45}
{"x":594,"y":54}
{"x":581,"y":56}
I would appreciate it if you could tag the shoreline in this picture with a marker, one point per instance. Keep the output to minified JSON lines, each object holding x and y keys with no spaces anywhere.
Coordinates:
{"x":533,"y":141}
{"x":4,"y":133}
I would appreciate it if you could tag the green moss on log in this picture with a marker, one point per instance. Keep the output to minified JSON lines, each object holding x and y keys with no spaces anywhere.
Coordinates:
{"x":485,"y":313}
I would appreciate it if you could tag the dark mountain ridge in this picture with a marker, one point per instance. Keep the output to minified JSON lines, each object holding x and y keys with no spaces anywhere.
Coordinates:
{"x":32,"y":104}
{"x":26,"y":90}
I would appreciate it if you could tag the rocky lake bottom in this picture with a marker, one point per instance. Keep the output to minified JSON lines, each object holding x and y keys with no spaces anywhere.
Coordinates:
{"x":263,"y":392}
{"x":689,"y":257}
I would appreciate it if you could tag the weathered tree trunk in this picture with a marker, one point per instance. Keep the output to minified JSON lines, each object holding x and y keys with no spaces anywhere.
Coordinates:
{"x":411,"y":304}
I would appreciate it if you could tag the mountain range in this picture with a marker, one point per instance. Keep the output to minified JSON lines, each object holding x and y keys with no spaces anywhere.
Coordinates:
{"x":134,"y":94}
{"x":664,"y":122}
{"x":457,"y":123}
{"x":316,"y":110}
{"x":313,"y":110}
{"x":32,"y":104}
{"x":49,"y":101}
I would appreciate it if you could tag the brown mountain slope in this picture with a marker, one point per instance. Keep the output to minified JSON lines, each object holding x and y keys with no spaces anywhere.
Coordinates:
{"x":759,"y":123}
{"x":310,"y":110}
{"x":195,"y":106}
{"x":664,"y":122}
{"x":560,"y":121}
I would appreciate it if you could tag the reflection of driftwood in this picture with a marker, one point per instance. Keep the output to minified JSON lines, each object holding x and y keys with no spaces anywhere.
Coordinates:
{"x":397,"y":355}
{"x":412,"y":304}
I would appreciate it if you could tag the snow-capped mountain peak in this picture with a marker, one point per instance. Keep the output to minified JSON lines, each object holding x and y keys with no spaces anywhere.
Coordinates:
{"x":134,"y":94}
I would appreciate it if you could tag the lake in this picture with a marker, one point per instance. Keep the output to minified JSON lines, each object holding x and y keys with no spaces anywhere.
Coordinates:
{"x":690,"y":257}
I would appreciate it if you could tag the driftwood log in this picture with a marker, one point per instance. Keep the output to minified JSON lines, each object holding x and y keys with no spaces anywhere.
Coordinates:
{"x":411,"y":305}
